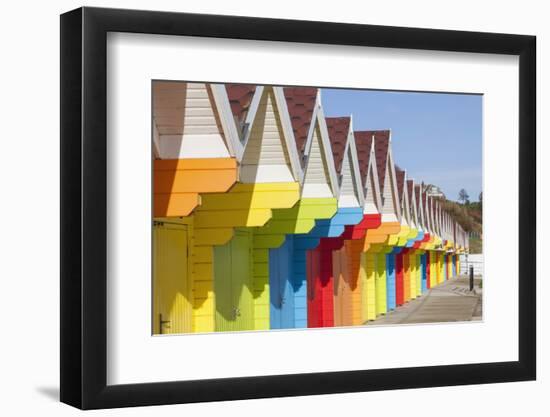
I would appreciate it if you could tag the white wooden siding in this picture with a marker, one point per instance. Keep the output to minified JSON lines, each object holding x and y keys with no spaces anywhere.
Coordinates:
{"x":370,"y":200}
{"x":390,"y":203}
{"x":348,"y":191}
{"x":414,"y":214}
{"x":405,"y":221}
{"x":266,"y":157}
{"x":187,"y":121}
{"x":316,"y":180}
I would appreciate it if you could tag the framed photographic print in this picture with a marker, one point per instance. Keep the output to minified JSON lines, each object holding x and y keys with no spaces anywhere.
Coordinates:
{"x":257,"y":208}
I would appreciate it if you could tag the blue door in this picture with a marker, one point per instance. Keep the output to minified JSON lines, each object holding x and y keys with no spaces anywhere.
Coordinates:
{"x":390,"y":269}
{"x":281,"y":292}
{"x":424,"y":273}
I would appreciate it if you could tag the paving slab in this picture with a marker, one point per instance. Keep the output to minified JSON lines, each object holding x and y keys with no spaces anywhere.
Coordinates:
{"x":450,"y":301}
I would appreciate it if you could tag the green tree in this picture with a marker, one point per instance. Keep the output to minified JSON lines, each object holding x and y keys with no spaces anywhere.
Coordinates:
{"x":463,"y":196}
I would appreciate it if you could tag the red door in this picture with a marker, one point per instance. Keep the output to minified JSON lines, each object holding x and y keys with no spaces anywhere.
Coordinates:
{"x":320,"y":300}
{"x":399,"y":293}
{"x":428,"y":263}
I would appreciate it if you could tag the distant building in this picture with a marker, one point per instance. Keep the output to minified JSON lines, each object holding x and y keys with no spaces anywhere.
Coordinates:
{"x":434,"y":191}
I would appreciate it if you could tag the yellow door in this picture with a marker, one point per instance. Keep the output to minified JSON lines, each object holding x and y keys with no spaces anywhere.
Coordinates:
{"x":418,"y":275}
{"x":406,"y":278}
{"x":367,"y":274}
{"x":381,"y":294}
{"x":171,"y":284}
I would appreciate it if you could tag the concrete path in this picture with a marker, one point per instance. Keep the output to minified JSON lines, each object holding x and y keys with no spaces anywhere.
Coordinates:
{"x":449,"y":301}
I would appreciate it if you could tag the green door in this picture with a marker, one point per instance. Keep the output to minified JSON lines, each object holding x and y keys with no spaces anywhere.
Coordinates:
{"x":233,"y":283}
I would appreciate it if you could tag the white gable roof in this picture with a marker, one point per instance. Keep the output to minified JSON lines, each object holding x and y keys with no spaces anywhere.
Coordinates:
{"x":269,"y":151}
{"x":192,"y":120}
{"x":320,"y":179}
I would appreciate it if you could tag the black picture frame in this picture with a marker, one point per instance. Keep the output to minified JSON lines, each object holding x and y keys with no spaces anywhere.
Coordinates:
{"x":84,"y":207}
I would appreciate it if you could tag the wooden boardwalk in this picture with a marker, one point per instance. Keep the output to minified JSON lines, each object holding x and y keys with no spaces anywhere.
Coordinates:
{"x":448,"y":302}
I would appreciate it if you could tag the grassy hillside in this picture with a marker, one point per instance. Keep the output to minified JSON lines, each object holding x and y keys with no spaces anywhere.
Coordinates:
{"x":469,"y":216}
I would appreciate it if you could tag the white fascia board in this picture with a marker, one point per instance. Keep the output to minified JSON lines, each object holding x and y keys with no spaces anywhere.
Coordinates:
{"x":426,"y":212}
{"x":441,"y":224}
{"x":435,"y":221}
{"x":371,"y":186}
{"x":227,"y":120}
{"x":252,"y":112}
{"x":419,"y":210}
{"x":156,"y":140}
{"x":429,"y":214}
{"x":288,"y":133}
{"x":344,"y":157}
{"x":354,"y":164}
{"x":413,"y":211}
{"x":439,"y":228}
{"x":327,"y":148}
{"x":421,"y":216}
{"x":391,"y":166}
{"x":309,"y":139}
{"x":406,"y":209}
{"x":434,"y":217}
{"x":373,"y":171}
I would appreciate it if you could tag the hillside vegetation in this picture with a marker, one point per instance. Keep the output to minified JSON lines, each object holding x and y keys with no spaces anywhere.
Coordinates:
{"x":470,"y":217}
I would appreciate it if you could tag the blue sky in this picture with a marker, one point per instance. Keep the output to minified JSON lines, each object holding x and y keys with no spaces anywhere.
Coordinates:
{"x":437,"y":138}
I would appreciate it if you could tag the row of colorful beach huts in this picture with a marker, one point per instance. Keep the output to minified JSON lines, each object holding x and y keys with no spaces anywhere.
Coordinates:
{"x":269,"y":215}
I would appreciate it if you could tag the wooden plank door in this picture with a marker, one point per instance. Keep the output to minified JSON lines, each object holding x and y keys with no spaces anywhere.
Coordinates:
{"x":313,"y":288}
{"x":339,"y":288}
{"x":225,"y":312}
{"x":233,"y":283}
{"x":381,"y":288}
{"x":390,"y":267}
{"x":423,"y":273}
{"x":281,"y":291}
{"x":406,"y":277}
{"x":428,"y":270}
{"x":342,"y":289}
{"x":433,"y":269}
{"x":172,"y":307}
{"x":320,"y":288}
{"x":275,"y":296}
{"x":368,"y":266}
{"x":399,"y":290}
{"x":454,"y":265}
{"x":418,"y":275}
{"x":440,"y":277}
{"x":241,"y":279}
{"x":412,"y":268}
{"x":353,"y":250}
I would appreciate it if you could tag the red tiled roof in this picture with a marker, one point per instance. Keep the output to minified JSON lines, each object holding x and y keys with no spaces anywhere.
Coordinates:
{"x":381,"y":148}
{"x":301,"y":103}
{"x":400,"y":178}
{"x":410,"y":186}
{"x":338,"y":129}
{"x":363,"y":143}
{"x":240,"y":97}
